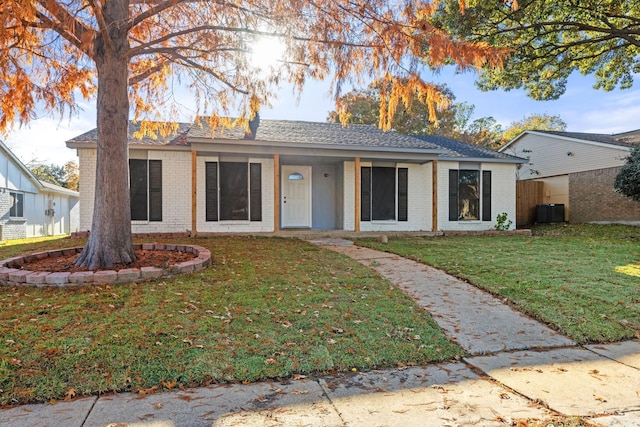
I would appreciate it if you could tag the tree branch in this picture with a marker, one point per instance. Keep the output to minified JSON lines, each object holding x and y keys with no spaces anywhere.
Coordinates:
{"x":102,"y":25}
{"x":134,"y":80}
{"x":67,"y":26}
{"x":195,"y":65}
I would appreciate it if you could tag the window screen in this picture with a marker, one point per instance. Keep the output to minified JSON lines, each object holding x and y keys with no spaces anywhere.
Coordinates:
{"x":383,"y":189}
{"x":234,"y":185}
{"x":233,"y":191}
{"x":17,"y":205}
{"x":145,"y":189}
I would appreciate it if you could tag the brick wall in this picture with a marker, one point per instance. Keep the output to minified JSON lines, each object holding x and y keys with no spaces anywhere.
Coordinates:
{"x":419,"y":201}
{"x":593,"y":199}
{"x":503,"y":196}
{"x":10,"y":228}
{"x":87,"y":159}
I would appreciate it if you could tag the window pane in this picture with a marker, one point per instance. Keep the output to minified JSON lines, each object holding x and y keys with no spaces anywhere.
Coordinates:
{"x":234,"y":188}
{"x":138,"y":189}
{"x":469,"y":195}
{"x":20,"y":199}
{"x":17,"y":203}
{"x":383,"y":197}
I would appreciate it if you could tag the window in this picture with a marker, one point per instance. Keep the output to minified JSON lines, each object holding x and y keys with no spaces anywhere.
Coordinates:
{"x":468,"y":197}
{"x":17,"y":204}
{"x":380,"y":198}
{"x":145,"y":189}
{"x":233,"y":191}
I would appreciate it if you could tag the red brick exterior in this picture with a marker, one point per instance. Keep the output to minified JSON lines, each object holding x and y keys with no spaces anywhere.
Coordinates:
{"x":593,"y":199}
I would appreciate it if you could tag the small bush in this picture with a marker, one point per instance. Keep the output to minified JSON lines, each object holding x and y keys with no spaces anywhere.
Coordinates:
{"x":502,"y":222}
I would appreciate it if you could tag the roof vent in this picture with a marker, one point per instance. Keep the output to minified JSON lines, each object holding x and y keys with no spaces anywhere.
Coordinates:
{"x":253,"y":127}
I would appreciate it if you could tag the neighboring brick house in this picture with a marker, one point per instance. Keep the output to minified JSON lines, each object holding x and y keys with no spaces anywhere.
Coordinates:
{"x":31,"y":208}
{"x":305,"y":175}
{"x":578,"y":170}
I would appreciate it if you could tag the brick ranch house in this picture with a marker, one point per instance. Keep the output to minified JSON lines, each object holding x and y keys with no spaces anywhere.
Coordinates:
{"x":577,"y":170}
{"x":305,"y":175}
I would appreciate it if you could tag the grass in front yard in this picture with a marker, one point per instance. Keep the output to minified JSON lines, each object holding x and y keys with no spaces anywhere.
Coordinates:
{"x":578,"y":278}
{"x":267,"y":308}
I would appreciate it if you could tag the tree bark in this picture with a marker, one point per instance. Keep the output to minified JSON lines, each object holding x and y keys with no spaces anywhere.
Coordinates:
{"x":110,"y":241}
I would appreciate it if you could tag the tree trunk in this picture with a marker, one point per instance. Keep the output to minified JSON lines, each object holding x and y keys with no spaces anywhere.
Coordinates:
{"x":110,"y":241}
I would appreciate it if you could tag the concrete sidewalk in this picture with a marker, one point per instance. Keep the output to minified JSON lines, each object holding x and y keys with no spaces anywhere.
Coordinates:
{"x":516,"y":369}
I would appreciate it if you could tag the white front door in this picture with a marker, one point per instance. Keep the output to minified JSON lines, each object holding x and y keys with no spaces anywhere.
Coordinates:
{"x":296,"y":196}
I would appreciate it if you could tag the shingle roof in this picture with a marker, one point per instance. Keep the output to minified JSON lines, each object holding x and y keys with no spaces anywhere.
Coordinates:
{"x":177,"y":138}
{"x":631,"y":137}
{"x":463,"y":150}
{"x":627,"y":139}
{"x":298,"y":132}
{"x":314,"y":133}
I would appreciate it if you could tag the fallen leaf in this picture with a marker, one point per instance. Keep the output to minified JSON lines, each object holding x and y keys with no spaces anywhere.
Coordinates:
{"x":70,"y":394}
{"x":169,"y":384}
{"x":158,"y":405}
{"x":148,"y":391}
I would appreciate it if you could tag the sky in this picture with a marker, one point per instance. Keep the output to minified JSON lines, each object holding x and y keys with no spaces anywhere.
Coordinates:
{"x":581,"y":107}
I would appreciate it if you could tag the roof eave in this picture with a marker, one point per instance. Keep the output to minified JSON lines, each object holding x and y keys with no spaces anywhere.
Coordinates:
{"x":514,"y":160}
{"x":564,"y":138}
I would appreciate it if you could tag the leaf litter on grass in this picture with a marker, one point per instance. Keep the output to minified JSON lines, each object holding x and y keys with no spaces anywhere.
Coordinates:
{"x":275,"y":308}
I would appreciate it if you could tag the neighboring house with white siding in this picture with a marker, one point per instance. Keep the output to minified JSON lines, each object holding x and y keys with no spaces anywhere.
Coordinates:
{"x":305,"y":175}
{"x":577,"y":170}
{"x":32,"y":208}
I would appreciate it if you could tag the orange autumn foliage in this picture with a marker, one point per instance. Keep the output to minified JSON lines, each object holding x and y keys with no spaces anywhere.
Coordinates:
{"x":48,"y":53}
{"x":133,"y":54}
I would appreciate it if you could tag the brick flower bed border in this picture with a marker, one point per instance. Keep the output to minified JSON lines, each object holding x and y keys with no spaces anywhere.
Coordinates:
{"x":12,"y":276}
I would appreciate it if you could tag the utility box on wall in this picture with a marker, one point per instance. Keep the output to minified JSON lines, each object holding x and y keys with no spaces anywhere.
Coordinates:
{"x":551,"y":212}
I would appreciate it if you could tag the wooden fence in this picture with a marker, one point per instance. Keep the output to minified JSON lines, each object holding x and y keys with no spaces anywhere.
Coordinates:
{"x":529,"y":194}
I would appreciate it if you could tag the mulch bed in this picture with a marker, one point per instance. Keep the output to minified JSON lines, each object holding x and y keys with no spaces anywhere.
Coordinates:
{"x":145,"y":258}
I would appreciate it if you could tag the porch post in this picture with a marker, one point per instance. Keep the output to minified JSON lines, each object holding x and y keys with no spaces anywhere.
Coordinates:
{"x":194,"y":192}
{"x":276,"y":193}
{"x":357,"y":198}
{"x":434,"y":196}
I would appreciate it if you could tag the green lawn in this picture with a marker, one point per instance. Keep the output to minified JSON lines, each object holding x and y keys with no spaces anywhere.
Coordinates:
{"x":583,"y":280}
{"x":266,"y":308}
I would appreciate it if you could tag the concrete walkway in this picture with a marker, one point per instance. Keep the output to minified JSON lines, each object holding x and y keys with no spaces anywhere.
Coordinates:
{"x":516,"y":369}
